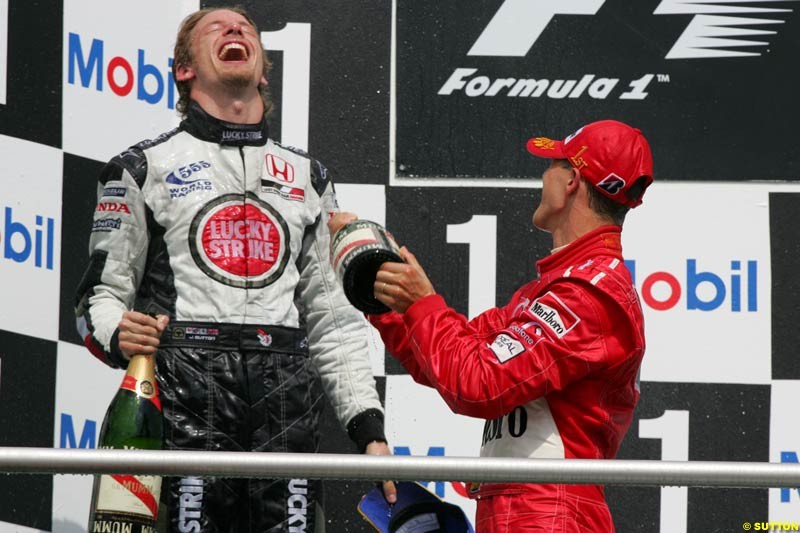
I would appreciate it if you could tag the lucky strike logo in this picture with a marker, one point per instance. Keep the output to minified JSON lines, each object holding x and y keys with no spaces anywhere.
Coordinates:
{"x":297,"y":505}
{"x":89,"y":64}
{"x":240,"y":242}
{"x":698,"y":289}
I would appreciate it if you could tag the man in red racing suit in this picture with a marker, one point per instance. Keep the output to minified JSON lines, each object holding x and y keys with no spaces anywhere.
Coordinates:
{"x":554,"y":372}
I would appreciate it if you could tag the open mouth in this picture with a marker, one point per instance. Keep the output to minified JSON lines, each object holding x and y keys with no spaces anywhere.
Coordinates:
{"x":233,"y":52}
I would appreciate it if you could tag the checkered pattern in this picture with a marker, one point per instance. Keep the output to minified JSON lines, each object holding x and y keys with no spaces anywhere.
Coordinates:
{"x":716,"y":263}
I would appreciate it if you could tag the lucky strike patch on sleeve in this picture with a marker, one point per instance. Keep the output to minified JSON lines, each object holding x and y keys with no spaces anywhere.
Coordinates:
{"x":551,"y":312}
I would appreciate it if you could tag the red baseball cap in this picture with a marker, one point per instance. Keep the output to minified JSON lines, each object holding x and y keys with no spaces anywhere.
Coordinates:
{"x":611,"y":155}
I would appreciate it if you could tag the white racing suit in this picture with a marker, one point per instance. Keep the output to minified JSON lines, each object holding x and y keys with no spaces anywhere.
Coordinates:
{"x":225,"y":231}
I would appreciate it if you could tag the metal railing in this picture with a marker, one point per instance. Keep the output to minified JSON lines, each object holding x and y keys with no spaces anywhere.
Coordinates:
{"x":370,"y":467}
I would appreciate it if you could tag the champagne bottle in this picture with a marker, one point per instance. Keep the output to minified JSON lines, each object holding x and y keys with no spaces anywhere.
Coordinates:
{"x":358,"y":249}
{"x":133,"y":421}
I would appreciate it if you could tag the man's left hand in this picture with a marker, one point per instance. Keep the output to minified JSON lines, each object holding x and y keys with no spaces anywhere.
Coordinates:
{"x":381,"y":448}
{"x":398,"y":285}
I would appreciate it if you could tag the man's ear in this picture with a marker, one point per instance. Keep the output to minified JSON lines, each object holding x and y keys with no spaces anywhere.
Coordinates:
{"x":574,"y":182}
{"x":184,"y":73}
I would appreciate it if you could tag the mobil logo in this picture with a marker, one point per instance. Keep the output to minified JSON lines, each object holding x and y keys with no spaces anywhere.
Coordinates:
{"x":701,"y":289}
{"x":69,"y":438}
{"x":439,"y":486}
{"x":91,"y":65}
{"x":21,"y":243}
{"x":788,"y":456}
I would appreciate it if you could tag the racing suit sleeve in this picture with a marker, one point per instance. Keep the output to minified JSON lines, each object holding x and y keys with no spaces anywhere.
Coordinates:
{"x":398,"y":343}
{"x":117,"y":256}
{"x":337,"y":332}
{"x":507,"y":356}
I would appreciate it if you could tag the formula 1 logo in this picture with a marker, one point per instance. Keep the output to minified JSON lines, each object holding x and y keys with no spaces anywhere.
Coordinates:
{"x":512,"y":32}
{"x":519,"y":23}
{"x":718,"y":29}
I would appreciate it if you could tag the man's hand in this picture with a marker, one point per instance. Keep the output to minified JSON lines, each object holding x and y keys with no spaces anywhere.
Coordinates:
{"x":340,"y":219}
{"x":381,"y":448}
{"x":398,"y":285}
{"x":139,"y":333}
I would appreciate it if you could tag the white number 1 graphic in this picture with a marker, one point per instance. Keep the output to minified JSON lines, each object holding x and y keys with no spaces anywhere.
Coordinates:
{"x":672,"y":428}
{"x":481,"y":235}
{"x":3,"y":49}
{"x":294,"y":40}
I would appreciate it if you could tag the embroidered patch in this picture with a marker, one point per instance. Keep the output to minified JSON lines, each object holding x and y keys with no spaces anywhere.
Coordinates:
{"x":554,"y":314}
{"x":506,"y":347}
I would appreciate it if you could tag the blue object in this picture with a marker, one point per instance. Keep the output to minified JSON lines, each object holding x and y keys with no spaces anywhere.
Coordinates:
{"x":417,"y":511}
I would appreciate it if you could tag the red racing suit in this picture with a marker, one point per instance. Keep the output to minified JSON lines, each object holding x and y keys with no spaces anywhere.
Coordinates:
{"x":554,"y":373}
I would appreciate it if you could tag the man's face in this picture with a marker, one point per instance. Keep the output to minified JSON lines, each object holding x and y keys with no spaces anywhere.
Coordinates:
{"x":226,"y":48}
{"x":554,"y":195}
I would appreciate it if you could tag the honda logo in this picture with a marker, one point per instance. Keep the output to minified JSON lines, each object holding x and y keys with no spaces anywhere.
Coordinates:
{"x":280,"y":169}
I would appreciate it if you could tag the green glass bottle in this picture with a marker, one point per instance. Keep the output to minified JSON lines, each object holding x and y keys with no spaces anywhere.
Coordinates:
{"x":128,"y":503}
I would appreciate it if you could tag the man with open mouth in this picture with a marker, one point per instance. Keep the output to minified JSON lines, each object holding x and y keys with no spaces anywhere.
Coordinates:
{"x":224,"y":238}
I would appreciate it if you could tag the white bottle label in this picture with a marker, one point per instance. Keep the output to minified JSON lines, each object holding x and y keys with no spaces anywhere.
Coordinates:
{"x":129,"y":494}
